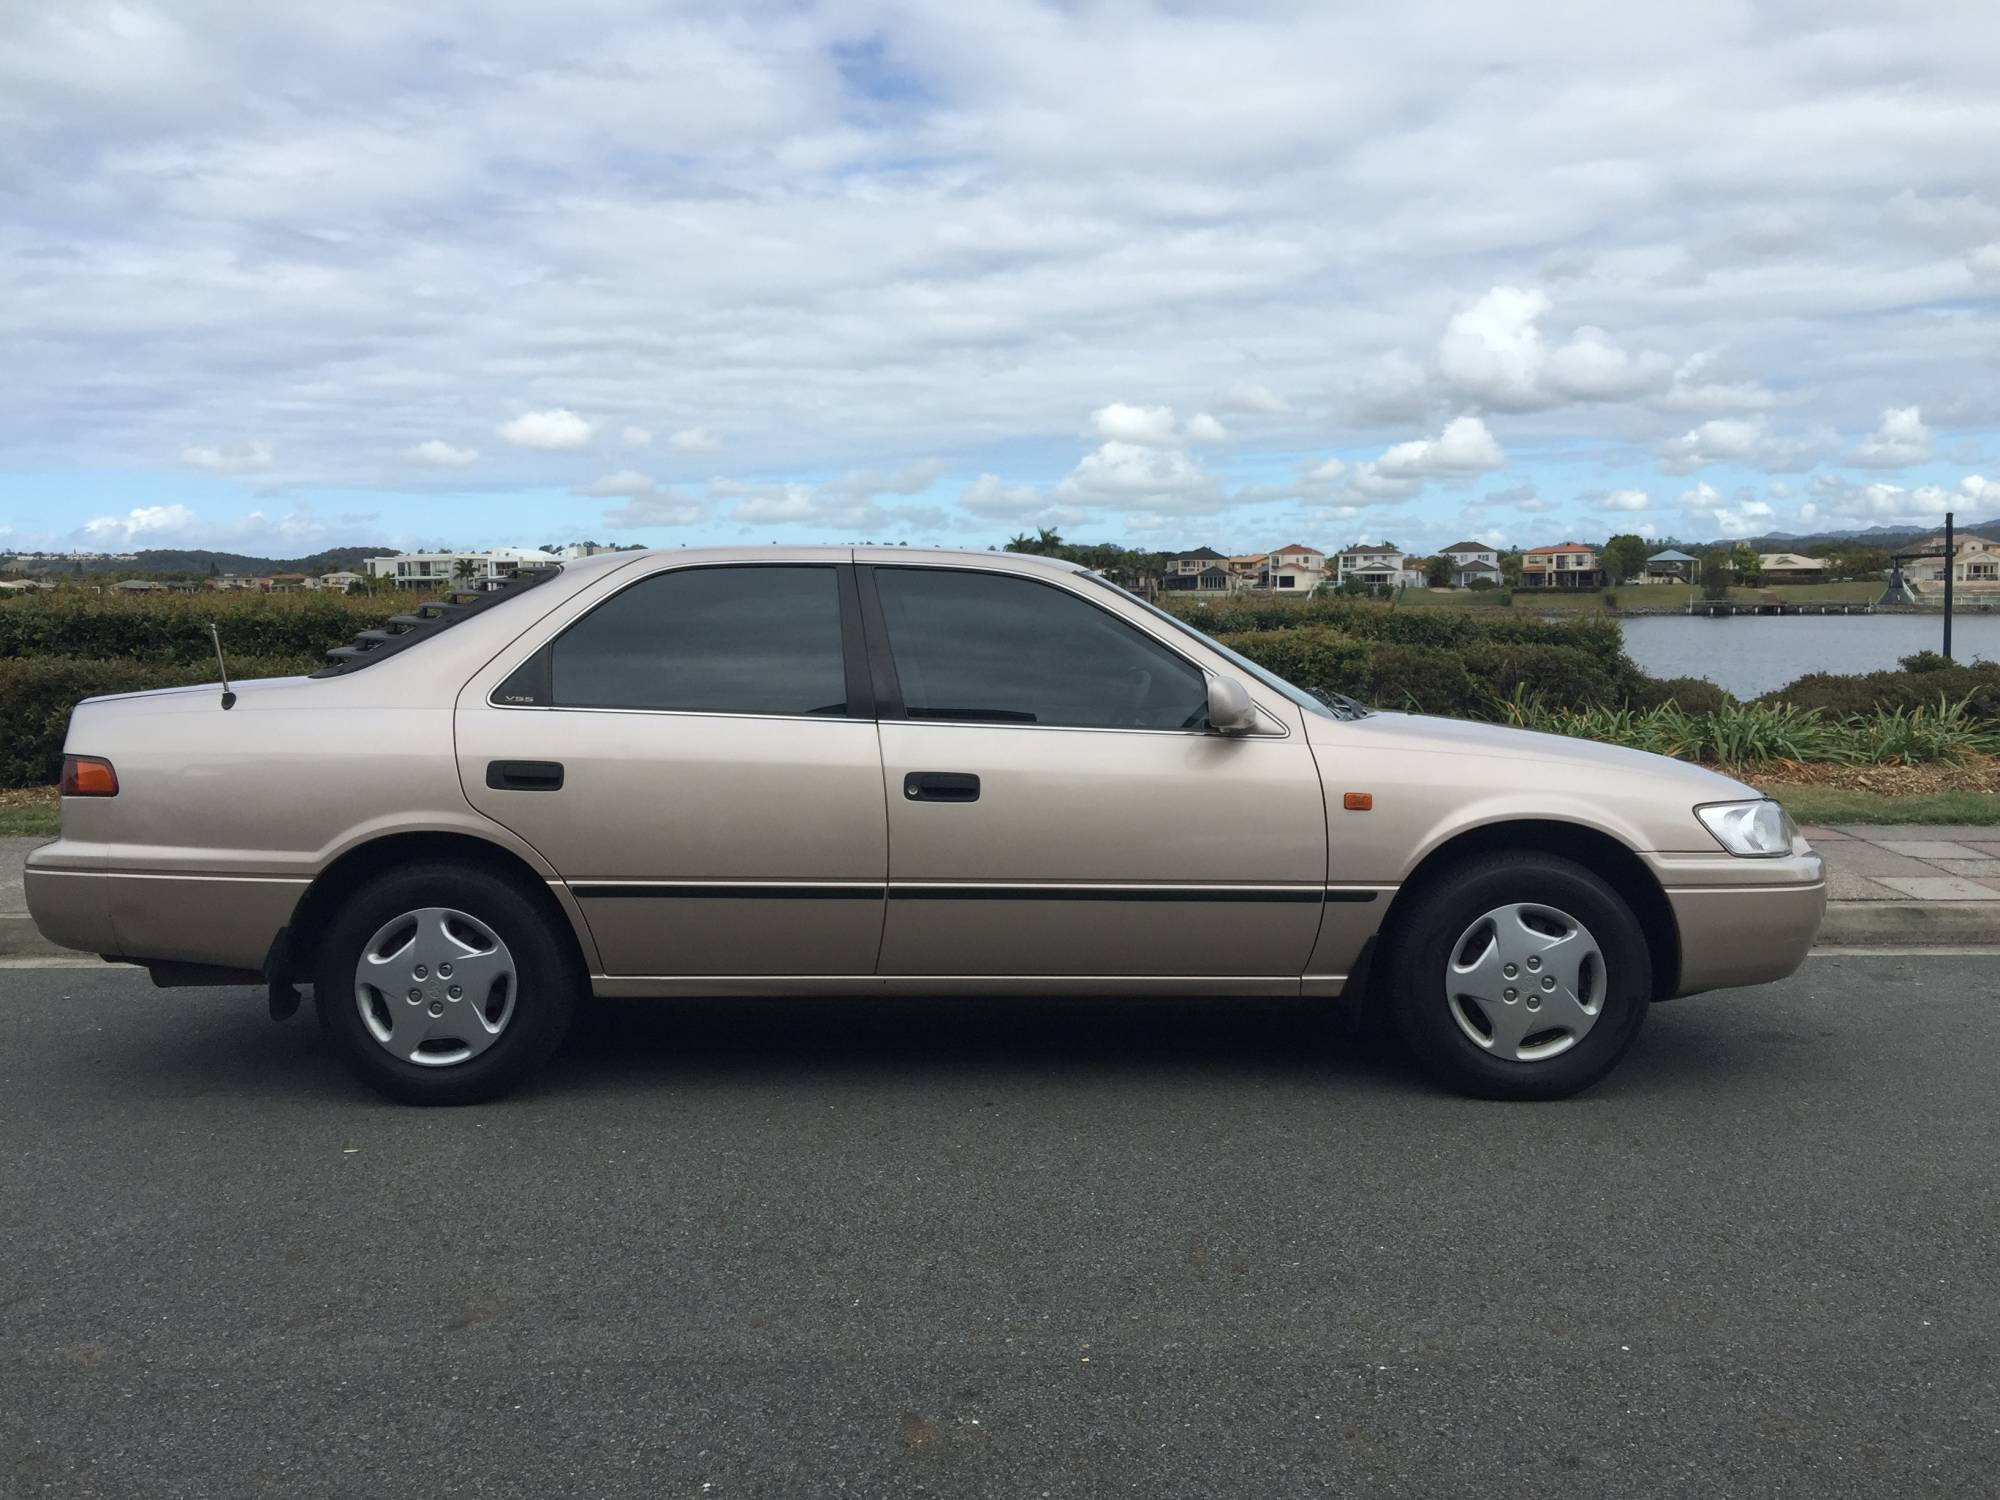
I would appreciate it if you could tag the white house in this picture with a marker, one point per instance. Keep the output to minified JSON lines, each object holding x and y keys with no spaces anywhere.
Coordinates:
{"x":341,"y":582}
{"x":1977,"y":563}
{"x":1471,"y":561}
{"x":423,"y":570}
{"x":1383,"y":566}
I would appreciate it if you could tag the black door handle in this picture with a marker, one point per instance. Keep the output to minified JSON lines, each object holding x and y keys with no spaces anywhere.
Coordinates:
{"x":941,"y":786}
{"x":524,"y":775}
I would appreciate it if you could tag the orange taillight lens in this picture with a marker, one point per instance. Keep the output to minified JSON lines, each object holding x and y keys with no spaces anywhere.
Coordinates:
{"x":88,"y":776}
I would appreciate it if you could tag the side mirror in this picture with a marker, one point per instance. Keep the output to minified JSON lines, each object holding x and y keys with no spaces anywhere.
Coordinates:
{"x":1229,"y":709}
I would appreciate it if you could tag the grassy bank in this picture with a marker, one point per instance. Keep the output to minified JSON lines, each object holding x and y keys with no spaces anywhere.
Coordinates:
{"x":1650,"y":597}
{"x":1830,"y":805}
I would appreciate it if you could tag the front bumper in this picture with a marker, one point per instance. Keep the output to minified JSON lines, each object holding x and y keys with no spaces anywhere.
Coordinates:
{"x":1742,"y":921}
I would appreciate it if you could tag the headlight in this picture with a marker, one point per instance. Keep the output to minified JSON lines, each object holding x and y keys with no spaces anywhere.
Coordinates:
{"x":1757,"y":829}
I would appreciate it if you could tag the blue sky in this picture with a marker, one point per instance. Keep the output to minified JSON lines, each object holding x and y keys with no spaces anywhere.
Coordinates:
{"x":506,"y":273}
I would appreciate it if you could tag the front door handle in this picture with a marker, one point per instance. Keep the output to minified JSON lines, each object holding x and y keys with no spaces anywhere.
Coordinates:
{"x":941,"y":786}
{"x":524,"y":775}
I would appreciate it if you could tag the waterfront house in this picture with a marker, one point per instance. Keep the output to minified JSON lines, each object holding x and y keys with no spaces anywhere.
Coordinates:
{"x":1569,"y":565}
{"x":1976,"y":566}
{"x":1472,"y":561}
{"x":1294,"y":568}
{"x":1790,"y":567}
{"x":1202,"y":571}
{"x":1671,"y":566}
{"x":1377,"y":566}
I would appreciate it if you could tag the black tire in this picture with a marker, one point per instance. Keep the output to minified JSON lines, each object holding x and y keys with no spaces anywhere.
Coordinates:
{"x":544,"y":999}
{"x":1420,"y":949}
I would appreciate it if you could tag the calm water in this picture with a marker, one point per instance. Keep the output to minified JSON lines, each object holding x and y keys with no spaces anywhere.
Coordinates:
{"x":1752,"y":655}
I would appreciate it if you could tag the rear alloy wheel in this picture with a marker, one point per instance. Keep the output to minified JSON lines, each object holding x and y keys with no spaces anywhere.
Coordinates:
{"x":445,"y":984}
{"x":1519,"y":977}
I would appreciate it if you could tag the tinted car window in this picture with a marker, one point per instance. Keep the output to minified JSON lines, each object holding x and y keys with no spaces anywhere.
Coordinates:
{"x":709,"y":640}
{"x":995,"y":649}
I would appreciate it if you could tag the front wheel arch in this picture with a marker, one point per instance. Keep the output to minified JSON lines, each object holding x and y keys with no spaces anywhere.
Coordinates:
{"x":1612,"y":862}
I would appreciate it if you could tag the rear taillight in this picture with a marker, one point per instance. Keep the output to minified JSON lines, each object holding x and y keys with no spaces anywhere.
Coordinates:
{"x":88,"y":776}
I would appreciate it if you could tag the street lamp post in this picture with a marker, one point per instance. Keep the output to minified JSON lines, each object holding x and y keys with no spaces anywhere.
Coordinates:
{"x":1950,"y":554}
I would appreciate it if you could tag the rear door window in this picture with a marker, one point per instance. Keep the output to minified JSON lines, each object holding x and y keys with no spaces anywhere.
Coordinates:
{"x":738,"y":640}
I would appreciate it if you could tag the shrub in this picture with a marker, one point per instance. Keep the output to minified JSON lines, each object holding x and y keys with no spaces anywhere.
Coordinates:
{"x":1423,"y":680}
{"x":1925,"y":661}
{"x":1845,"y":697}
{"x":1481,"y":585}
{"x":39,"y":693}
{"x":74,"y":623}
{"x":1557,"y":676}
{"x":1312,"y":656}
{"x":1695,"y":695}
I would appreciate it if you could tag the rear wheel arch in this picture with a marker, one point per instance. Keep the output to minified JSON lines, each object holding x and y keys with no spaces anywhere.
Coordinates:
{"x":357,"y":867}
{"x":1599,"y":853}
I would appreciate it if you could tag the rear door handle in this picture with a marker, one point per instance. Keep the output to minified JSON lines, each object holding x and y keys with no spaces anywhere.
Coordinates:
{"x":524,"y":775}
{"x":941,"y":786}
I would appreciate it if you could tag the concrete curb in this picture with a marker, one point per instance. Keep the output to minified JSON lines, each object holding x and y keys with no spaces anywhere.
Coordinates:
{"x":1910,"y":924}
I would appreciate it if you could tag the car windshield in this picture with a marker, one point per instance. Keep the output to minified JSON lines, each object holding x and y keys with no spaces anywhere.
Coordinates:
{"x":1326,"y":705}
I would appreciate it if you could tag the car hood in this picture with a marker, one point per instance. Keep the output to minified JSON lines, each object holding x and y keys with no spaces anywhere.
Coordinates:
{"x":1421,"y":734}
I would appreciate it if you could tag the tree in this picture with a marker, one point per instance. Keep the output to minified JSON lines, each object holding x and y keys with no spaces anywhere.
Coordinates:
{"x":1624,"y":557}
{"x":465,"y":570}
{"x":1510,"y":569}
{"x":1020,"y":541}
{"x":1048,"y":542}
{"x":1437,"y":572}
{"x":1744,"y":563}
{"x":1715,"y":575}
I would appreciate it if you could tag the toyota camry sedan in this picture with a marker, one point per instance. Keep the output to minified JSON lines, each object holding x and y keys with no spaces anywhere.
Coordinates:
{"x":860,"y":771}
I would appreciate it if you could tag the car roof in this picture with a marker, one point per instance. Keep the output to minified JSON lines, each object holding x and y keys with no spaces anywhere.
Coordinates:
{"x":946,"y":556}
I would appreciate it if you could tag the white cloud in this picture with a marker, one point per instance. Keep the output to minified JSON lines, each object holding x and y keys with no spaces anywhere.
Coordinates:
{"x":442,"y":454}
{"x":659,"y":508}
{"x":1202,"y":428}
{"x":1705,"y":506}
{"x":1734,"y":440}
{"x":1879,"y":504}
{"x":624,"y":482}
{"x":695,"y":440}
{"x":1250,"y":397}
{"x":1134,"y":476}
{"x":1984,"y":261}
{"x":1693,"y":391}
{"x":144,"y":521}
{"x":782,"y":503}
{"x":1494,"y":352}
{"x":228,"y":460}
{"x":989,"y":495}
{"x":1625,"y":500}
{"x":557,"y":429}
{"x":636,"y":437}
{"x":1464,"y":447}
{"x":1901,"y":439}
{"x":1120,"y":423}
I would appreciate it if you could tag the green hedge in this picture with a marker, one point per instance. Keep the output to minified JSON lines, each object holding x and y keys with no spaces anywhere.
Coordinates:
{"x":1472,"y":681}
{"x":73,"y":623}
{"x":36,"y":697}
{"x":1842,"y":697}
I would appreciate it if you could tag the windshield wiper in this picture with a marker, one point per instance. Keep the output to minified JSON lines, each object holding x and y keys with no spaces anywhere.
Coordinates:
{"x":1340,"y":704}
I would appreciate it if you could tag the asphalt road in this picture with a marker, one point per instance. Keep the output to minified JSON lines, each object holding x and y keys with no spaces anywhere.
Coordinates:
{"x":970,"y":1248}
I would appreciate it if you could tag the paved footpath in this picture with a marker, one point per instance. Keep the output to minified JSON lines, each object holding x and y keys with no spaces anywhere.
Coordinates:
{"x":1888,"y":884}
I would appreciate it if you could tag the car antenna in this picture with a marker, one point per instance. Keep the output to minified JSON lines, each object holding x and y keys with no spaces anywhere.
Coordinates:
{"x":228,"y":698}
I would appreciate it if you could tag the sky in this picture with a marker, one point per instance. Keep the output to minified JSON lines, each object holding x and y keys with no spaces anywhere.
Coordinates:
{"x":280,"y":277}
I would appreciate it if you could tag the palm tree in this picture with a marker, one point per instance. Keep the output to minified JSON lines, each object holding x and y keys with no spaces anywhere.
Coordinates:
{"x":1047,"y":542}
{"x":465,"y":570}
{"x":1020,"y":541}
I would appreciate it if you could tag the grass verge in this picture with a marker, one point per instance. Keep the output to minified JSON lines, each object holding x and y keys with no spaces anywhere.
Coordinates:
{"x":29,"y":812}
{"x":1823,"y":805}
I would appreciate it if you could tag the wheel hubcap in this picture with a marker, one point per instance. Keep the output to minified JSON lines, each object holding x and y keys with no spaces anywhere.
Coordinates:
{"x":435,"y":986}
{"x":1525,"y":982}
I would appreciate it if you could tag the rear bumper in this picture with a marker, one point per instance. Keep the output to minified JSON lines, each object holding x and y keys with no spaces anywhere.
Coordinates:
{"x":225,"y":920}
{"x":1743,"y":921}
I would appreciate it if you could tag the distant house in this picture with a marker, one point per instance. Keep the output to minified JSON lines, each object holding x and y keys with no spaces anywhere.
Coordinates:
{"x":1243,"y":570}
{"x":1202,"y":571}
{"x":288,"y":583}
{"x":1570,"y":565}
{"x":1471,"y":561}
{"x":427,"y":570}
{"x":1376,"y":566}
{"x":1295,"y":568}
{"x":1977,"y":563}
{"x":342,"y":582}
{"x":1671,"y":566}
{"x":1790,"y":567}
{"x":139,"y":586}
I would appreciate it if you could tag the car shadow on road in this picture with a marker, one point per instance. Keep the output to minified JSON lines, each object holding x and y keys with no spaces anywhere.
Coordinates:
{"x":1162,"y":1039}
